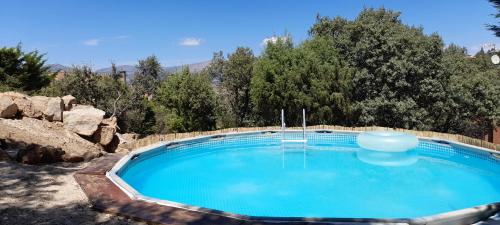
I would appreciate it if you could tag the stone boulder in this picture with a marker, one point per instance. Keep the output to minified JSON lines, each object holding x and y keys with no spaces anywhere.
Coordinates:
{"x":104,"y":135}
{"x":25,"y":107}
{"x":35,"y":154}
{"x":23,"y":102}
{"x":46,"y":141}
{"x":8,"y":108}
{"x":83,"y":120}
{"x":38,"y":105}
{"x":69,"y":101}
{"x":54,"y":109}
{"x":14,"y":95}
{"x":4,"y":156}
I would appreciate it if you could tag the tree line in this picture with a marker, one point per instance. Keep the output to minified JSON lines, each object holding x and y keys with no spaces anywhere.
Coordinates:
{"x":372,"y":70}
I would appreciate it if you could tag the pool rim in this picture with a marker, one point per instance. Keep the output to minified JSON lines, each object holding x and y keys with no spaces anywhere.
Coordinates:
{"x":462,"y":216}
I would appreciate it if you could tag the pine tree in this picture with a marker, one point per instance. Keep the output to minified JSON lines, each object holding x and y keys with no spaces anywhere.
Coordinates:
{"x":492,"y":27}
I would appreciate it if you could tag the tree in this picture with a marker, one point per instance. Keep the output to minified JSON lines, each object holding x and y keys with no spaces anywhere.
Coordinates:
{"x":140,"y":117}
{"x":21,"y":71}
{"x":270,"y":90}
{"x":473,"y":105}
{"x":495,"y":28}
{"x":81,"y":83}
{"x":398,"y":80}
{"x":215,"y":69}
{"x":148,"y":76}
{"x":310,"y":76}
{"x":236,"y":78}
{"x":326,"y":82}
{"x":185,"y":102}
{"x":478,"y":103}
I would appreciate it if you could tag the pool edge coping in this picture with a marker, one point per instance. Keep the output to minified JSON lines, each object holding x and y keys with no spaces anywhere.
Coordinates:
{"x":474,"y":214}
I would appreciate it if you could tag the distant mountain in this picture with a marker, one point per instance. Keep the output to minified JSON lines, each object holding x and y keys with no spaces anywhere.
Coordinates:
{"x":130,"y":69}
{"x":127,"y":68}
{"x":57,"y":67}
{"x":194,"y":67}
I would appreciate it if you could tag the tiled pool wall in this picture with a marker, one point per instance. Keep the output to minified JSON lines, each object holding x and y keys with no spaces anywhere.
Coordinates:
{"x":194,"y":146}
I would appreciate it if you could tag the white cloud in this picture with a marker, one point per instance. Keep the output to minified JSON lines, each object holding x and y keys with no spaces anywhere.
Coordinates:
{"x":191,"y":41}
{"x":122,"y":37}
{"x":272,"y":39}
{"x":92,"y":42}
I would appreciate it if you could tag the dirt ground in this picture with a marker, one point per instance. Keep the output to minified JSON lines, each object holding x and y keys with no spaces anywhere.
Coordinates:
{"x":47,"y":194}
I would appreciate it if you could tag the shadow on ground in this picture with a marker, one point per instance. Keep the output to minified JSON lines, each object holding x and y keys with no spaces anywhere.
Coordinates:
{"x":46,"y":194}
{"x":494,"y":220}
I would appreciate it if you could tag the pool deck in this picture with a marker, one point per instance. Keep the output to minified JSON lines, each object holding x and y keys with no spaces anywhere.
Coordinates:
{"x":105,"y":196}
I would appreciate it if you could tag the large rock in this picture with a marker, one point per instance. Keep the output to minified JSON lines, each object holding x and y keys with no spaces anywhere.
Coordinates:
{"x":8,"y":108}
{"x":106,"y":131}
{"x":14,"y":95}
{"x":35,"y":154}
{"x":69,"y":101}
{"x":25,"y":107}
{"x":39,"y":105}
{"x":54,"y":109}
{"x":104,"y":135}
{"x":112,"y":122}
{"x":48,"y":140}
{"x":83,"y":120}
{"x":4,"y":156}
{"x":23,"y":102}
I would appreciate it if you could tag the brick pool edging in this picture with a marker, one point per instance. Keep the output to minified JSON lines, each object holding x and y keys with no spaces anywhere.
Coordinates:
{"x":104,"y":195}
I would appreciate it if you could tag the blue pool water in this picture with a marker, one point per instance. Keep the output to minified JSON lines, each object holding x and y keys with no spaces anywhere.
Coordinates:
{"x":254,"y":175}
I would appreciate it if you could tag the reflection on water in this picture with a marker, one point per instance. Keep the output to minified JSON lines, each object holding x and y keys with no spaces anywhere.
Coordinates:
{"x":387,"y":158}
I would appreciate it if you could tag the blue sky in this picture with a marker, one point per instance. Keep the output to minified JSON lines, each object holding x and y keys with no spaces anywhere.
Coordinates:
{"x":97,"y":32}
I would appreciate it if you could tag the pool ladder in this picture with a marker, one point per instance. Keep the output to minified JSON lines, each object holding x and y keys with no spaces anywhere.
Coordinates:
{"x":303,"y":141}
{"x":283,"y":129}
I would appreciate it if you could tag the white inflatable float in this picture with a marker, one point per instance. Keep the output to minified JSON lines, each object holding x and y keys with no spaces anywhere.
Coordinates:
{"x":387,"y":148}
{"x":387,"y":141}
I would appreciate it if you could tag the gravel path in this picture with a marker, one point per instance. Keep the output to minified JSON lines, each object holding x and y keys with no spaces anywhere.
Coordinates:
{"x":47,"y":194}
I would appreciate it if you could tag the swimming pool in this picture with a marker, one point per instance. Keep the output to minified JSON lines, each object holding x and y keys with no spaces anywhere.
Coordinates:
{"x":254,"y":174}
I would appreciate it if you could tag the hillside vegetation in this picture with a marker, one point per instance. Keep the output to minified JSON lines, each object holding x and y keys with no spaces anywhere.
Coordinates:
{"x":372,"y":70}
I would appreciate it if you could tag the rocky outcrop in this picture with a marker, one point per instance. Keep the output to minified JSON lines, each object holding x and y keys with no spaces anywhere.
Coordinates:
{"x":3,"y":155}
{"x":51,"y":129}
{"x":8,"y":108}
{"x":48,"y":108}
{"x":44,"y":141}
{"x":106,"y":131}
{"x":104,"y":135}
{"x":38,"y":105}
{"x":54,"y":110}
{"x":83,"y":120}
{"x":69,"y":101}
{"x":24,"y":105}
{"x":35,"y":154}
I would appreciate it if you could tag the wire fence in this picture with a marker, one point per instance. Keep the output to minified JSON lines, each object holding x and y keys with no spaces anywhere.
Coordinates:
{"x":152,"y":139}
